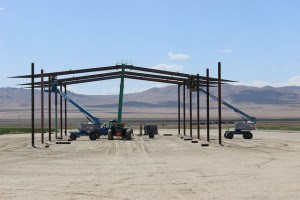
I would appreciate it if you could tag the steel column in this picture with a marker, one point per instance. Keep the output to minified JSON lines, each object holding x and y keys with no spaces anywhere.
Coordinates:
{"x":65,"y":86}
{"x":191,"y":114}
{"x":55,"y":114}
{"x":219,"y":103}
{"x":32,"y":104}
{"x":198,"y":108}
{"x":184,"y":109}
{"x":207,"y":104}
{"x":61,"y":117}
{"x":178,"y":109}
{"x":42,"y":106}
{"x":49,"y":107}
{"x":121,"y":96}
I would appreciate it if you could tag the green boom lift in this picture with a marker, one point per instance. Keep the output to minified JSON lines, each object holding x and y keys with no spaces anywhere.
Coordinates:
{"x":117,"y":127}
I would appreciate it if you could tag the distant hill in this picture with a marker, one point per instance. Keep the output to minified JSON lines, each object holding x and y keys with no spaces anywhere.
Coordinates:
{"x":269,"y":102}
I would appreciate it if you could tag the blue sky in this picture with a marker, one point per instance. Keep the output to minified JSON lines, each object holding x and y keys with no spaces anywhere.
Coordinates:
{"x":257,"y":41}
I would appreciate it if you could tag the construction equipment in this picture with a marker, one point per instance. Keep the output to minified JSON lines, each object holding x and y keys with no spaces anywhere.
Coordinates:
{"x":117,"y":127}
{"x":94,"y":129}
{"x":151,"y":130}
{"x":242,"y":127}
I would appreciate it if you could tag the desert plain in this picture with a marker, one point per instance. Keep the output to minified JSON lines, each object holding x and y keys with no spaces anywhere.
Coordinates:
{"x":166,"y":167}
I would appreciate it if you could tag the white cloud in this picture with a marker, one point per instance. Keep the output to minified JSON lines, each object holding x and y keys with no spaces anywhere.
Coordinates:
{"x":178,"y":56}
{"x":1,"y":8}
{"x":168,"y":67}
{"x":293,"y":81}
{"x":226,"y":51}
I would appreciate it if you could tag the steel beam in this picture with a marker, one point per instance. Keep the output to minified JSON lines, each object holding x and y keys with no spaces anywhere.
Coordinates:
{"x":91,"y":80}
{"x":158,"y":71}
{"x":81,"y":78}
{"x":95,"y":77}
{"x":106,"y":76}
{"x":118,"y":76}
{"x":78,"y":71}
{"x":172,"y":75}
{"x":152,"y":79}
{"x":97,"y":69}
{"x":170,"y":78}
{"x":99,"y":77}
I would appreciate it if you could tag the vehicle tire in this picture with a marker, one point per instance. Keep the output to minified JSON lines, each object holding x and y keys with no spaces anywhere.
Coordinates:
{"x":93,"y":136}
{"x":109,"y":135}
{"x":249,"y":136}
{"x":245,"y":135}
{"x":151,"y":135}
{"x":229,"y":135}
{"x":98,"y":135}
{"x":124,"y":136}
{"x":73,"y":137}
{"x":225,"y":135}
{"x":128,"y":134}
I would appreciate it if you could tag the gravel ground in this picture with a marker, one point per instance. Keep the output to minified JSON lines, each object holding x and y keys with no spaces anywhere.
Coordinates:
{"x":166,"y":167}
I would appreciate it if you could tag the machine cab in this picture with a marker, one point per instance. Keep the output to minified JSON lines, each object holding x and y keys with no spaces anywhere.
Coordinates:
{"x":54,"y":83}
{"x":112,"y":124}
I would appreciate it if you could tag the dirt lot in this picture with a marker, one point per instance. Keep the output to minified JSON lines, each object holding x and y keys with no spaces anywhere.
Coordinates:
{"x":167,"y":167}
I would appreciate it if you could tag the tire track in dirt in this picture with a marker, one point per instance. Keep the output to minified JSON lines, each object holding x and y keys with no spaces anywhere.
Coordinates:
{"x":3,"y":144}
{"x":139,"y":147}
{"x":268,"y":157}
{"x":68,"y":195}
{"x":16,"y":145}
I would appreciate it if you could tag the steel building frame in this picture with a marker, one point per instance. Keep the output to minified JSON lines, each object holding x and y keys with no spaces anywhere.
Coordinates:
{"x":187,"y":81}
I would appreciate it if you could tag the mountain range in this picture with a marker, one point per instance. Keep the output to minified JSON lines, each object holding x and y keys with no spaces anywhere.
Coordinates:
{"x":266,"y":102}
